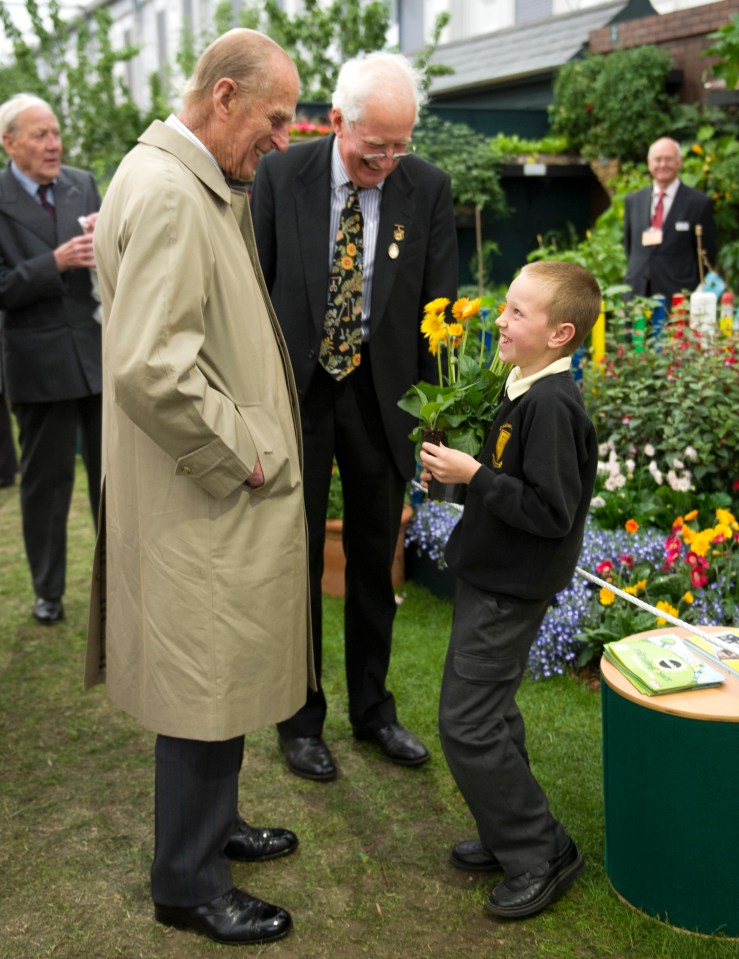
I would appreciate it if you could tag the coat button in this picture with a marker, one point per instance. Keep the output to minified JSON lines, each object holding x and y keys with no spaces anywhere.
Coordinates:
{"x":187,"y":470}
{"x":311,"y":354}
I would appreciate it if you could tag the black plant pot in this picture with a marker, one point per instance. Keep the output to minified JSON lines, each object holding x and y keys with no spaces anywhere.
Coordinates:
{"x":443,"y":492}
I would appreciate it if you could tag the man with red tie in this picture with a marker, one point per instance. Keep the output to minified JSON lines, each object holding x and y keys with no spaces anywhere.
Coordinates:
{"x":659,"y":228}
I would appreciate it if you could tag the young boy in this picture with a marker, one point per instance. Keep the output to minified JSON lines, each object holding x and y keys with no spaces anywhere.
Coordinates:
{"x":515,"y":547}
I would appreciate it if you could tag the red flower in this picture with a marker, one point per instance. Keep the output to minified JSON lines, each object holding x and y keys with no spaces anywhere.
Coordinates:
{"x":735,"y":485}
{"x":626,"y":560}
{"x":698,"y":578}
{"x":604,"y":568}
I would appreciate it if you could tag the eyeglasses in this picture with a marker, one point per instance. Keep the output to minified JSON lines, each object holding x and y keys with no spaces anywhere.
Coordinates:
{"x":408,"y":149}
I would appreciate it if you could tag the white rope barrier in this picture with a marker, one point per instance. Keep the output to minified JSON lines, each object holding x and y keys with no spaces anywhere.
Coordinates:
{"x":642,"y":605}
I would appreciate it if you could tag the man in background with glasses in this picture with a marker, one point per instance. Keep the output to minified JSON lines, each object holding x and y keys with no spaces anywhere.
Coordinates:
{"x":355,"y":235}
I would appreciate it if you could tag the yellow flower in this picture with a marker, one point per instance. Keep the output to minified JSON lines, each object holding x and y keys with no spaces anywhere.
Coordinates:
{"x":432,"y":326}
{"x":688,"y":598}
{"x":455,"y":330}
{"x":437,"y":306}
{"x":689,"y":517}
{"x":351,"y":249}
{"x":666,"y":608}
{"x":697,"y":148}
{"x":688,"y":534}
{"x":606,"y":597}
{"x":464,"y":308}
{"x":723,"y":530}
{"x":702,"y":542}
{"x":631,"y":526}
{"x":636,"y":588}
{"x":434,"y":329}
{"x":347,"y":263}
{"x":726,"y":518}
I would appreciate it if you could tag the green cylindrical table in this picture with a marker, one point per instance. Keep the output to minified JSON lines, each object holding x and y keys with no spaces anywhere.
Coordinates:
{"x":671,"y":796}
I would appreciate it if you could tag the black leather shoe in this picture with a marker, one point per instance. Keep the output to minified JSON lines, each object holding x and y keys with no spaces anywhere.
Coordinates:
{"x":308,"y":756}
{"x":235,"y":917}
{"x":48,"y":611}
{"x":398,"y":743}
{"x":525,"y":895}
{"x":251,"y":844}
{"x":472,"y":856}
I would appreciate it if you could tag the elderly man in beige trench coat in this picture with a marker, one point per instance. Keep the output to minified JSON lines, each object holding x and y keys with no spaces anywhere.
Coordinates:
{"x":200,"y":621}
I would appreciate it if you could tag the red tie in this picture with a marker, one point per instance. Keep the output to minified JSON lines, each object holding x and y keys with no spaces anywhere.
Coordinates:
{"x":659,"y":212}
{"x":43,"y":192}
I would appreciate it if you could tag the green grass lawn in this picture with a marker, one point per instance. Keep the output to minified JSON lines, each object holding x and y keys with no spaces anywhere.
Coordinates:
{"x":371,"y":877}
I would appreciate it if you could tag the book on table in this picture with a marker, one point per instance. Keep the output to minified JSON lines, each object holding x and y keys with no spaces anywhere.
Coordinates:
{"x":722,"y":648}
{"x":661,"y":664}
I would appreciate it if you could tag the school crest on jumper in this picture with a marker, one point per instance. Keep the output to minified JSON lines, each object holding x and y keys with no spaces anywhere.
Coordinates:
{"x":504,"y":434}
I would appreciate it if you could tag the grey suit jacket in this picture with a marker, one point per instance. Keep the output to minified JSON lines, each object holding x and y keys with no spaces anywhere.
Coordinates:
{"x":291,"y":210}
{"x":50,"y":340}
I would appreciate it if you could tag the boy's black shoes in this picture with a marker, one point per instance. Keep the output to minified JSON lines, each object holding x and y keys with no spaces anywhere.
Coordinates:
{"x":235,"y":917}
{"x":473,"y":857}
{"x":252,"y":844}
{"x":525,"y":895}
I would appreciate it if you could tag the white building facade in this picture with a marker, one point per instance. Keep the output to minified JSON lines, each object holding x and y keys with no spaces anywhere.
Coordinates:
{"x":157,"y":27}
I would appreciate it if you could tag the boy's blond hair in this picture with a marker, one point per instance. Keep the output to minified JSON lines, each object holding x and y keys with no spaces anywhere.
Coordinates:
{"x":575,"y":296}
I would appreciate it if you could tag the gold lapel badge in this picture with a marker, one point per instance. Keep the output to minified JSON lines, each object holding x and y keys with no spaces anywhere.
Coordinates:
{"x":393,"y":251}
{"x":399,"y":232}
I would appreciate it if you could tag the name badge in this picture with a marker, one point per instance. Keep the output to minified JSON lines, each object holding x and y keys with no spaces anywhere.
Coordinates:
{"x":682,"y":226}
{"x":651,"y":237}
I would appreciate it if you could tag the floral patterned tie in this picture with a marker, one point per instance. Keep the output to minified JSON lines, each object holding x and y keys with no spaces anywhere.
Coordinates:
{"x":341,"y":346}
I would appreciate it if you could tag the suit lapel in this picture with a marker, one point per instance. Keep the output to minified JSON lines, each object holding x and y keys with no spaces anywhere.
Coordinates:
{"x":396,"y":215}
{"x":68,"y":199}
{"x":645,"y":209}
{"x":17,"y":204}
{"x":313,"y":224}
{"x":678,"y":208}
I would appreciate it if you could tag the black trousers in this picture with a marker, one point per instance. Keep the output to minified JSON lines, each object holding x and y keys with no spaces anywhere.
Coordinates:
{"x":482,"y":730}
{"x":8,"y":461}
{"x":48,"y":435}
{"x":343,"y":420}
{"x":195,"y":813}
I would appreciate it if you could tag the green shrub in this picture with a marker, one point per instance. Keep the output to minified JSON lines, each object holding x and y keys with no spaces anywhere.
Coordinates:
{"x":616,"y":105}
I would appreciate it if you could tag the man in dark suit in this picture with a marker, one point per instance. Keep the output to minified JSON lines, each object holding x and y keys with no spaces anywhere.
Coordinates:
{"x":408,"y":256}
{"x":50,"y":338}
{"x":659,"y":228}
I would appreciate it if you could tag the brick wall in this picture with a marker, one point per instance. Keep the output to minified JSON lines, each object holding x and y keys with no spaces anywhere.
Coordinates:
{"x":683,"y":34}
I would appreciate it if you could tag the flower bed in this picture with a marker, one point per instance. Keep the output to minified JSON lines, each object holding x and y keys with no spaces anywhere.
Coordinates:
{"x":691,"y":571}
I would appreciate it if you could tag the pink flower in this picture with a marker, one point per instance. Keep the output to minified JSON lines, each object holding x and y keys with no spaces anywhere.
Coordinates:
{"x":626,"y":560}
{"x":604,"y":568}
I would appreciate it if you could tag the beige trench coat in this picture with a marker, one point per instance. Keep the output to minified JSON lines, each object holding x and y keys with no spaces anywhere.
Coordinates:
{"x":199,"y":620}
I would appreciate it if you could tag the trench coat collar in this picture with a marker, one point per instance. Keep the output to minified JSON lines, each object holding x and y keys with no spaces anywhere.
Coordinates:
{"x":166,"y":138}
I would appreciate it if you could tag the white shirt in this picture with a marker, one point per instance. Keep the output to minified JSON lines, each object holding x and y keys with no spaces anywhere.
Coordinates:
{"x":369,"y":202}
{"x":516,"y":385}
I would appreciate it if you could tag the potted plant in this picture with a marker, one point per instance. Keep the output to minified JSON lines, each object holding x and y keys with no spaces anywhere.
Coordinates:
{"x":459,"y":409}
{"x":334,"y":561}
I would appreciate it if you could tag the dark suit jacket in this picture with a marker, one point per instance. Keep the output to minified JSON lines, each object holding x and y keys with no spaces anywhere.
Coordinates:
{"x":50,"y":340}
{"x":673,"y":265}
{"x":291,"y":211}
